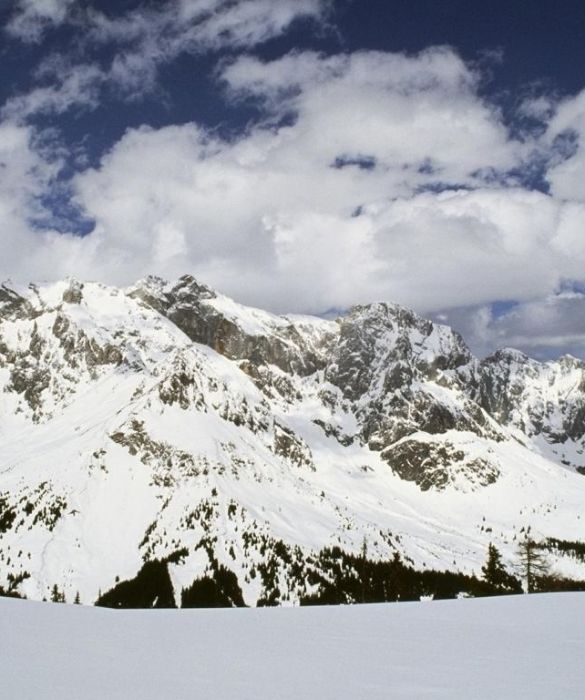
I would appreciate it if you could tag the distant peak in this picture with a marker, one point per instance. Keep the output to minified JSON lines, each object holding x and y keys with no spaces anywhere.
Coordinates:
{"x":150,"y":282}
{"x":571,"y":362}
{"x":73,"y":294}
{"x":509,"y":355}
{"x":187,"y":284}
{"x":383,"y":308}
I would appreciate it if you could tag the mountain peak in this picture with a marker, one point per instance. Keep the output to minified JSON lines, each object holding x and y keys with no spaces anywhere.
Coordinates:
{"x":73,"y":294}
{"x":509,"y":356}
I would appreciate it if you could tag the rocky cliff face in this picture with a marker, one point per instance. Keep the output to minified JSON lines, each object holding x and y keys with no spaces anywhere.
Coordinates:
{"x":544,"y":402}
{"x":214,"y":320}
{"x":405,"y":375}
{"x":167,"y":424}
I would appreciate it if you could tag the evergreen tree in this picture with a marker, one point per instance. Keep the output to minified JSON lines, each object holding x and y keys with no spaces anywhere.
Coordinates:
{"x":364,"y":570}
{"x":495,"y":574}
{"x":532,"y":563}
{"x":77,"y":600}
{"x":56,"y":595}
{"x":493,"y":567}
{"x":395,"y":582}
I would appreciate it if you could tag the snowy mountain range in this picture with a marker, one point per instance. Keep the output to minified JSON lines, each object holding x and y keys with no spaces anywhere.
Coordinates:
{"x":166,"y":426}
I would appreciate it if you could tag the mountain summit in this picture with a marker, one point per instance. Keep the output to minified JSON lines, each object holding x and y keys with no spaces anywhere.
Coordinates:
{"x":165,"y":430}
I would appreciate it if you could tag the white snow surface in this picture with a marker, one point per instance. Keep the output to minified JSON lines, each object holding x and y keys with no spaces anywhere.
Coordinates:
{"x":512,"y":648}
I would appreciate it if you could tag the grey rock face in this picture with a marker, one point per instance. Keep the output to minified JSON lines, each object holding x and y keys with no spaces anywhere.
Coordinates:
{"x":54,"y":351}
{"x":388,"y":338}
{"x":390,"y":364}
{"x":74,"y":293}
{"x":436,"y":465}
{"x":539,"y":399}
{"x":13,"y":304}
{"x":187,"y":305}
{"x":502,"y":381}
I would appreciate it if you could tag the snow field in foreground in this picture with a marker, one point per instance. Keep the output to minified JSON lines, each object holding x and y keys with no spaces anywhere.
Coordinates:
{"x":513,"y":647}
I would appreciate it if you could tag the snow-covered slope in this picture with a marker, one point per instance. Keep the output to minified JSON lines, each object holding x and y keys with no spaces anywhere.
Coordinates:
{"x":167,"y":423}
{"x":512,"y":648}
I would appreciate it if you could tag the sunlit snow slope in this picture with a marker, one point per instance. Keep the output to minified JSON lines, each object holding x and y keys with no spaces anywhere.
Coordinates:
{"x":167,"y":423}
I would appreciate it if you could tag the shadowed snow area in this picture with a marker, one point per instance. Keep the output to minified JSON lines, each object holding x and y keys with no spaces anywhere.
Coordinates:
{"x":514,"y":647}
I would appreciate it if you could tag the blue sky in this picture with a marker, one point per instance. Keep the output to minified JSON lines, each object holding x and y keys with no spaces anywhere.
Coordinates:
{"x":306,"y":155}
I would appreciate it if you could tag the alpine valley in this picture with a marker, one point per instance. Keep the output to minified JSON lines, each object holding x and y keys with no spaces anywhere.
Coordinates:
{"x":163,"y":445}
